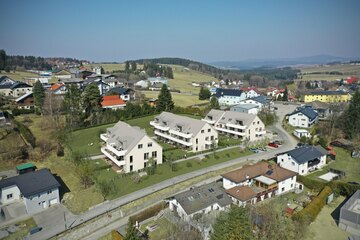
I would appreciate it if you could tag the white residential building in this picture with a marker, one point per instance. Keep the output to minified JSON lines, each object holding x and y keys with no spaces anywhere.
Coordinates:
{"x":303,"y":117}
{"x":254,"y":183}
{"x":303,"y":160}
{"x":299,"y":133}
{"x":237,"y":124}
{"x":191,"y":134}
{"x":246,"y":108}
{"x":229,"y":97}
{"x":261,"y":101}
{"x":129,"y":147}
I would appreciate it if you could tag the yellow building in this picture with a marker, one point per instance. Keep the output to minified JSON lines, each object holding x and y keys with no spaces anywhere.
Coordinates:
{"x":327,"y":96}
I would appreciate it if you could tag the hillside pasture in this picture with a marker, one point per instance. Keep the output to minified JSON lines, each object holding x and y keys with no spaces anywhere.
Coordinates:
{"x":18,"y":75}
{"x":310,"y":73}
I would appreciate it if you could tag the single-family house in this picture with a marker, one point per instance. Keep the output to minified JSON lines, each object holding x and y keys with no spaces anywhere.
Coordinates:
{"x":142,"y":84}
{"x":228,"y":97}
{"x":103,"y":86}
{"x":237,"y":124}
{"x":303,"y":117}
{"x":349,"y":219}
{"x":79,"y":82}
{"x":113,"y":102}
{"x":251,"y":92}
{"x":130,"y":148}
{"x":58,"y":88}
{"x":25,"y":101}
{"x":84,"y":74}
{"x":191,"y":134}
{"x":127,"y":94}
{"x":62,"y":74}
{"x":303,"y":160}
{"x":200,"y":200}
{"x":299,"y":133}
{"x":157,"y":80}
{"x":322,"y":108}
{"x":97,"y":70}
{"x":274,"y":92}
{"x":5,"y":80}
{"x":246,"y":108}
{"x":254,"y":183}
{"x":38,"y":190}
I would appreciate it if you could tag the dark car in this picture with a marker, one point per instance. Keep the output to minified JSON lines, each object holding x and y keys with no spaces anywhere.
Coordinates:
{"x":277,"y":142}
{"x":274,"y":145}
{"x":35,"y":230}
{"x":354,"y":183}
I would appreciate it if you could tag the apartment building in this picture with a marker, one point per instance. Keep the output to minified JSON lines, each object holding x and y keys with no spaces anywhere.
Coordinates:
{"x":327,"y":96}
{"x":191,"y":134}
{"x":237,"y":124}
{"x":129,"y":147}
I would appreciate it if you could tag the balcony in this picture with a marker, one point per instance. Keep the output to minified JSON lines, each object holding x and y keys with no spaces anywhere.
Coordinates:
{"x":180,"y":134}
{"x":104,"y":137}
{"x":237,"y":126}
{"x":116,"y":151}
{"x":260,"y":132}
{"x":112,"y":157}
{"x":208,"y":121}
{"x":188,"y":144}
{"x":158,"y":126}
{"x":230,"y":131}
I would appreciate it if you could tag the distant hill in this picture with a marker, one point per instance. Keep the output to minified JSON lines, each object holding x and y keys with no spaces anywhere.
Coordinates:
{"x":282,"y":62}
{"x":198,"y":66}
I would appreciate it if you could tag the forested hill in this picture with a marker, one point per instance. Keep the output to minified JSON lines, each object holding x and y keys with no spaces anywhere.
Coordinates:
{"x":197,"y":66}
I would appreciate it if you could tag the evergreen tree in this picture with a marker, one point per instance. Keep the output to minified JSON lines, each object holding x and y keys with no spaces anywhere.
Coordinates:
{"x":91,"y":103}
{"x":204,"y":93}
{"x":165,"y":102}
{"x":234,"y":225}
{"x":102,"y":70}
{"x":351,"y":117}
{"x":39,"y":96}
{"x":133,"y":66}
{"x":131,"y":231}
{"x":72,"y":106}
{"x":127,"y":66}
{"x":285,"y":96}
{"x":214,"y":103}
{"x":2,"y":59}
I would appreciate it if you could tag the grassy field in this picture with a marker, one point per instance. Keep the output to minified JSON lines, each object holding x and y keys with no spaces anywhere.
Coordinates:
{"x":343,"y":162}
{"x":180,"y":99}
{"x":25,"y":227}
{"x":18,"y":75}
{"x":162,"y":230}
{"x":325,"y":227}
{"x":124,"y":184}
{"x":108,"y":67}
{"x":346,"y":69}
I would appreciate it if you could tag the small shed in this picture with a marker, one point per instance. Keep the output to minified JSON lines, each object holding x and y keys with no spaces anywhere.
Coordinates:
{"x":24,"y":168}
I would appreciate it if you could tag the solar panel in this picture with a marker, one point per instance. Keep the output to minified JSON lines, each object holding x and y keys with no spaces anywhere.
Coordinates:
{"x":269,"y":172}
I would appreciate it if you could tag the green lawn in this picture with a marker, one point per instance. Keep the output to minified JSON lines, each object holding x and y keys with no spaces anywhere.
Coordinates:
{"x":180,"y":99}
{"x":346,"y":69}
{"x":124,"y":184}
{"x":25,"y":227}
{"x":18,"y":75}
{"x":162,"y":230}
{"x":343,"y":162}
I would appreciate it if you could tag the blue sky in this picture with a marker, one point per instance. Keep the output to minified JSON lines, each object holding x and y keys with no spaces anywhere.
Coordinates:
{"x":204,"y":30}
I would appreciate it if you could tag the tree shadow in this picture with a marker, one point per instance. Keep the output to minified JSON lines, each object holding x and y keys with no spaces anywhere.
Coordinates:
{"x":63,"y":188}
{"x":336,"y":213}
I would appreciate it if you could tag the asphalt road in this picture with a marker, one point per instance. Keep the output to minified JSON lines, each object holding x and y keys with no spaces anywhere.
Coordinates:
{"x":73,"y":221}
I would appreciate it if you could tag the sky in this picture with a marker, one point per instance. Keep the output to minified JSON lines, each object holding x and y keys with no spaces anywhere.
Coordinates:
{"x":202,"y":30}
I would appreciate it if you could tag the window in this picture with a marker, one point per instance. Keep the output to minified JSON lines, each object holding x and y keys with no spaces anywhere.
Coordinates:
{"x":50,"y":191}
{"x":212,"y":138}
{"x":144,"y":164}
{"x":197,"y":141}
{"x":258,"y":122}
{"x":146,"y":156}
{"x":9,"y":196}
{"x":202,"y":131}
{"x":282,"y":189}
{"x":154,"y":154}
{"x":209,"y":130}
{"x":131,"y":168}
{"x":140,"y":146}
{"x":131,"y":159}
{"x":292,"y":185}
{"x":149,"y":144}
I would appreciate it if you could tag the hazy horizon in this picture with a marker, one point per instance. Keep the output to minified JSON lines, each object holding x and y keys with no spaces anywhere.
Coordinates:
{"x":206,"y":31}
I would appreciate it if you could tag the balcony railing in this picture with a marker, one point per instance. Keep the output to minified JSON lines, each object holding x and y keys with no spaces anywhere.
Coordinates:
{"x":188,"y":144}
{"x":104,"y":137}
{"x":237,"y":126}
{"x":230,"y":131}
{"x":158,"y":126}
{"x":208,"y":121}
{"x":115,"y":151}
{"x":112,"y":158}
{"x":184,"y":135}
{"x":266,"y":191}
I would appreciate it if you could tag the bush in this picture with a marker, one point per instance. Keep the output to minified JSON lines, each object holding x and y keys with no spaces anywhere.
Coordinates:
{"x":17,"y":111}
{"x":343,"y":188}
{"x":149,"y":212}
{"x":188,"y":164}
{"x":311,"y":183}
{"x":26,"y":133}
{"x":309,"y":213}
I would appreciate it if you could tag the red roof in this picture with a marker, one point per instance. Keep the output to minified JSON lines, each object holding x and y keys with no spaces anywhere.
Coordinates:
{"x":112,"y":101}
{"x":351,"y":79}
{"x":55,"y":86}
{"x":246,"y":89}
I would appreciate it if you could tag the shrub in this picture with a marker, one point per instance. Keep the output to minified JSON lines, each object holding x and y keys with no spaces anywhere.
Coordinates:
{"x":26,"y":133}
{"x":149,"y":212}
{"x":344,"y":188}
{"x":188,"y":164}
{"x":17,"y":112}
{"x":136,"y":178}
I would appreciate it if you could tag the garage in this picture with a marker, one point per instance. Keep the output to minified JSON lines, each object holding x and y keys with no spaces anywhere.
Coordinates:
{"x":53,"y":201}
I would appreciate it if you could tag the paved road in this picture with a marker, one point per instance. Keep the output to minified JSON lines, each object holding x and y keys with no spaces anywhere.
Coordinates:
{"x":289,"y":143}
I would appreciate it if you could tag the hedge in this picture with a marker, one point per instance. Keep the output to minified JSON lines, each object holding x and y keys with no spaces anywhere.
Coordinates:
{"x":26,"y":133}
{"x":17,"y":111}
{"x":344,"y":188}
{"x":311,"y":183}
{"x":309,"y":213}
{"x":149,"y":212}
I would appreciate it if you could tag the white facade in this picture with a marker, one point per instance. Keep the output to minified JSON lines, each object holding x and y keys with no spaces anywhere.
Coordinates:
{"x":301,"y":120}
{"x":288,"y":162}
{"x":10,"y":194}
{"x":299,"y":133}
{"x":228,"y":100}
{"x":251,"y":101}
{"x":251,"y":94}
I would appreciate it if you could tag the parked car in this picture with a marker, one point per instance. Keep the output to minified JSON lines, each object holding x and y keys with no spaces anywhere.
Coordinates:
{"x":254,"y":150}
{"x":274,"y":145}
{"x":35,"y":230}
{"x":354,"y":183}
{"x":277,"y":142}
{"x":264,"y":149}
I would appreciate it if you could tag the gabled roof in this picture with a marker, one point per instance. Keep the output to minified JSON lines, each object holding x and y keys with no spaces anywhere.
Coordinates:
{"x":260,"y":99}
{"x":311,"y":114}
{"x":32,"y":183}
{"x":61,"y":72}
{"x":125,"y":136}
{"x":227,"y":92}
{"x":307,"y":153}
{"x":20,"y":85}
{"x":243,"y":193}
{"x":112,"y":101}
{"x":4,"y":80}
{"x":120,"y":90}
{"x":26,"y":95}
{"x":231,"y":117}
{"x":272,"y":171}
{"x":188,"y":125}
{"x":56,"y":86}
{"x":327,"y":93}
{"x":199,"y":198}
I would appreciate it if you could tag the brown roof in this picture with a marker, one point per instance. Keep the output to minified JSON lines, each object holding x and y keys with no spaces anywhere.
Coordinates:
{"x":242,"y":193}
{"x":272,"y":171}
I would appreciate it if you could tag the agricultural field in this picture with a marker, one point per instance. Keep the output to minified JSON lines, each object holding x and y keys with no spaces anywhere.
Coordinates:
{"x":108,"y":67}
{"x":18,"y":75}
{"x":345,"y":69}
{"x":180,"y":99}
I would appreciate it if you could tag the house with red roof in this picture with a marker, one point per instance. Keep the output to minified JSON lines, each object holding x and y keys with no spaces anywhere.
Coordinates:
{"x":113,"y":102}
{"x":250,"y":92}
{"x":351,"y":80}
{"x":58,"y":88}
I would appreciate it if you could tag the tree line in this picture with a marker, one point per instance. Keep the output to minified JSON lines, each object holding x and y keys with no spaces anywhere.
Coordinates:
{"x":9,"y":63}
